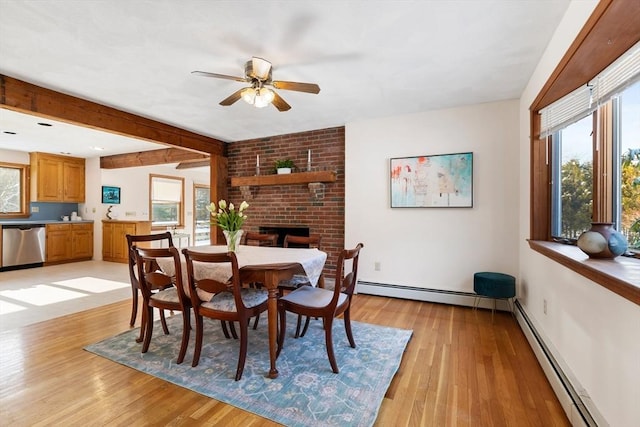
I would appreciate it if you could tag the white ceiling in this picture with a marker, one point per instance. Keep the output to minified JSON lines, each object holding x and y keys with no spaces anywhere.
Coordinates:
{"x":370,"y":58}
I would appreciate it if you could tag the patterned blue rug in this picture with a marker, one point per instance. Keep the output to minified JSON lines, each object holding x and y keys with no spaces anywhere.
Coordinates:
{"x":306,"y":392}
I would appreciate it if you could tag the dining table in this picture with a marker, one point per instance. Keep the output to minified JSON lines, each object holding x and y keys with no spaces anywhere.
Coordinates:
{"x":262,"y":264}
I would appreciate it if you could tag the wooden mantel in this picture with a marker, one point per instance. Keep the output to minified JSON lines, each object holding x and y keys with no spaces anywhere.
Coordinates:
{"x":283,"y":179}
{"x":315,"y":181}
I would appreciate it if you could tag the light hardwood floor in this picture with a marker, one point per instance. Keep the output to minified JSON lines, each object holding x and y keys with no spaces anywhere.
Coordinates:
{"x":459,"y":369}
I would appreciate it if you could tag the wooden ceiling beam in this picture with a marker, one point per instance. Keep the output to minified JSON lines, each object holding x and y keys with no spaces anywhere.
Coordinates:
{"x":194,"y":164}
{"x":28,"y":98}
{"x":153,"y":157}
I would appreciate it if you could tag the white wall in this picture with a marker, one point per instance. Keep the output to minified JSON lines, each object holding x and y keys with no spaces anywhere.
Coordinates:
{"x":594,"y":333}
{"x":11,"y":156}
{"x":438,"y":248}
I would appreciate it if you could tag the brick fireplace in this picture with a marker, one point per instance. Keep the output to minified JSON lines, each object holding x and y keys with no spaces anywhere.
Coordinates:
{"x":318,"y":207}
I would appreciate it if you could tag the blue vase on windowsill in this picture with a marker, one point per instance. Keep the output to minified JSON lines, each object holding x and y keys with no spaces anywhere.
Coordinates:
{"x":602,"y":241}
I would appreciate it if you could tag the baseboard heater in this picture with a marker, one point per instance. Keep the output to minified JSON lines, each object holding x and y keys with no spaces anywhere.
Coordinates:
{"x":428,"y":294}
{"x":560,"y":379}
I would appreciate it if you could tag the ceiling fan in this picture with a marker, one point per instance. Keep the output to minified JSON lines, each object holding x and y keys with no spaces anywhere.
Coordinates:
{"x":257,"y":72}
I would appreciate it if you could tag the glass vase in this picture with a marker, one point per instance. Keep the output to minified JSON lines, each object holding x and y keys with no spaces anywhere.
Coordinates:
{"x":233,"y":239}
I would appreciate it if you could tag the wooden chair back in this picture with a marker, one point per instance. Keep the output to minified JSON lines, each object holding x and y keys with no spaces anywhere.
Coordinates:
{"x":133,"y":273}
{"x":312,"y":241}
{"x":260,"y":239}
{"x":155,"y":280}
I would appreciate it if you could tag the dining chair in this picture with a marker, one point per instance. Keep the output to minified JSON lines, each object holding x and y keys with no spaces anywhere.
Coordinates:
{"x":324,"y":303}
{"x":133,"y":271}
{"x":163,"y":292}
{"x":260,"y":239}
{"x":293,"y":241}
{"x":230,"y":301}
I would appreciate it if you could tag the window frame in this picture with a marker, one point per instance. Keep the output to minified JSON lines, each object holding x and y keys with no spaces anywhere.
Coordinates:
{"x":25,"y":190}
{"x":180,"y":223}
{"x":578,"y":67}
{"x":195,"y":189}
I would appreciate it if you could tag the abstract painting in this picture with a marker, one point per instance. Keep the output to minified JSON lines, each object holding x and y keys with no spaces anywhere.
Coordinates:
{"x":435,"y":181}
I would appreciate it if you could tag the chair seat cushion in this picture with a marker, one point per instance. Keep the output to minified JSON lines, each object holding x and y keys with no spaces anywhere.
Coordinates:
{"x":166,"y":295}
{"x":295,"y":282}
{"x":225,"y":301}
{"x":312,"y":297}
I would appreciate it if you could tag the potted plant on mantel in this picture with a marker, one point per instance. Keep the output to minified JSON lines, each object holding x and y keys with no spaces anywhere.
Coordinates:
{"x":284,"y":166}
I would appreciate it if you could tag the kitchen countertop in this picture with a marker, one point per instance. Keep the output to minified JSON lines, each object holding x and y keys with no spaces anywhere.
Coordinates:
{"x":42,"y":221}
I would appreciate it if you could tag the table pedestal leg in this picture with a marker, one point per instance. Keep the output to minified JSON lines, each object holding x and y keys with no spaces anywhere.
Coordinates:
{"x":272,"y":311}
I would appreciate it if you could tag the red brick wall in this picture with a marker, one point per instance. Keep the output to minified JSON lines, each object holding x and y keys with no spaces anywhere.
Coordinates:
{"x":295,"y":205}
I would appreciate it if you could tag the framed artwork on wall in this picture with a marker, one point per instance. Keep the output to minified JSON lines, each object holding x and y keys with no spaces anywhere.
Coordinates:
{"x":110,"y":195}
{"x":434,"y":181}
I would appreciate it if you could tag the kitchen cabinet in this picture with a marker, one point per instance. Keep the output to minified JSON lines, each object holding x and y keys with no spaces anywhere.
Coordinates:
{"x":69,"y":242}
{"x":114,"y":241}
{"x":57,"y":178}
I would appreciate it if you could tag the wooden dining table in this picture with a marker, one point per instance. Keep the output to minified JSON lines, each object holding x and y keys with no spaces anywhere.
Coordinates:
{"x":266,"y":265}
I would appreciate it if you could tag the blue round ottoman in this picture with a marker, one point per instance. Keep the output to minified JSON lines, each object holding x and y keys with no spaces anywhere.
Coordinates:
{"x":494,"y":285}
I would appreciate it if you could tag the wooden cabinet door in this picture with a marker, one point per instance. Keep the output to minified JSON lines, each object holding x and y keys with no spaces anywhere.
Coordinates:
{"x":82,"y":241}
{"x":107,"y":241}
{"x":58,"y":242}
{"x":120,"y":246}
{"x":50,"y":179}
{"x":73,"y":182}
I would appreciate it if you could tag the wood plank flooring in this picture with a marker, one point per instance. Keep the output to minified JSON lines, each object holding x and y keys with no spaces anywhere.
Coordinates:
{"x":459,"y":369}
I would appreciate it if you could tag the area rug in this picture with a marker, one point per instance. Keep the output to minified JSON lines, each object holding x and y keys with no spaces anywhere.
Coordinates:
{"x":306,"y":392}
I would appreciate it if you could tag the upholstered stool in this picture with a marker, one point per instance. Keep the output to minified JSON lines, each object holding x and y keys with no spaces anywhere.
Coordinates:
{"x":494,"y":285}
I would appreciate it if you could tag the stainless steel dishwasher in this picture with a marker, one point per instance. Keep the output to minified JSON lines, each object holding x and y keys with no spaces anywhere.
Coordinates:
{"x":23,"y":245}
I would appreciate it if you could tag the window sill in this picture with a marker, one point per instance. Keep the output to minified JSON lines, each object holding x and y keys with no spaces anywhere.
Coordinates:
{"x":620,"y":275}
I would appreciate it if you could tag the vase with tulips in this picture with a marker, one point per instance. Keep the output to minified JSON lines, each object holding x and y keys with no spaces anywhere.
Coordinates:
{"x":229,"y":220}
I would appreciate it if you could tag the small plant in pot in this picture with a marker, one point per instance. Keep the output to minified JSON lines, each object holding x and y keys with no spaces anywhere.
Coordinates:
{"x":284,"y":166}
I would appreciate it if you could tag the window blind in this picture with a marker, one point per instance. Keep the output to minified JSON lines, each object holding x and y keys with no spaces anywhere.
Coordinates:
{"x":166,"y":190}
{"x":572,"y":107}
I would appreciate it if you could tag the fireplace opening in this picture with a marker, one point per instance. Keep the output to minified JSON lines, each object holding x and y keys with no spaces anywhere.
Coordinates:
{"x":283,"y":231}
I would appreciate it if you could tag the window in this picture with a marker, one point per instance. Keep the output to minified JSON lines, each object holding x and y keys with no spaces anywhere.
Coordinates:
{"x":572,"y":180}
{"x":595,"y":151}
{"x":595,"y":170}
{"x":14,"y":190}
{"x":201,"y":220}
{"x":166,"y":203}
{"x":577,"y":67}
{"x":626,"y":116}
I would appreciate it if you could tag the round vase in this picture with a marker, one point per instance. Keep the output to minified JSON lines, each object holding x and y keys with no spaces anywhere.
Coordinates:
{"x":233,"y":239}
{"x":602,"y":241}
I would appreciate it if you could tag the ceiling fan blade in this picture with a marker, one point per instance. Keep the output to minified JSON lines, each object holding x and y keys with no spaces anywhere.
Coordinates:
{"x":219,"y":76}
{"x":232,"y":98}
{"x":280,"y":103}
{"x":300,"y":87}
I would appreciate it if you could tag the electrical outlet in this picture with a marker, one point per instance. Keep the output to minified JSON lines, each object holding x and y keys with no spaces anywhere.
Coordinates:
{"x":93,"y":210}
{"x":35,"y":209}
{"x":544,"y":306}
{"x":376,"y":266}
{"x":130,"y":213}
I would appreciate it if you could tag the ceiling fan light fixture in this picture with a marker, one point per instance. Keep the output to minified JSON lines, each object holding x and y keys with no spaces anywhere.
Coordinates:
{"x":264,"y":97}
{"x":249,"y":95}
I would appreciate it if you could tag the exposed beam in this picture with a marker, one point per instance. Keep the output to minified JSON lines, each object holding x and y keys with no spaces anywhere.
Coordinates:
{"x":153,"y":157}
{"x":28,"y":98}
{"x":194,"y":164}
